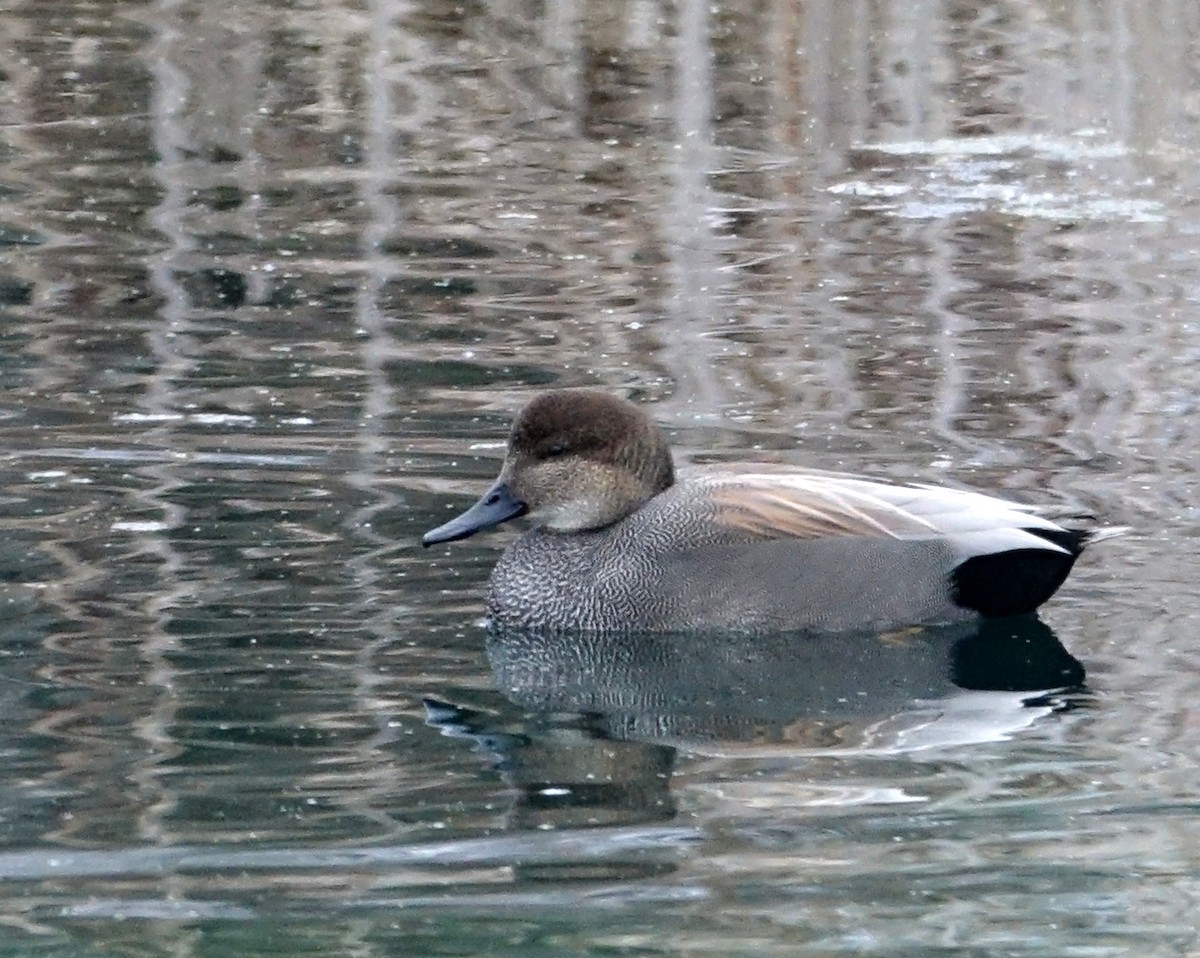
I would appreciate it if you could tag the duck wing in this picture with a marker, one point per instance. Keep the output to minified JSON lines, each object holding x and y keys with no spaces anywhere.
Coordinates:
{"x":798,"y":504}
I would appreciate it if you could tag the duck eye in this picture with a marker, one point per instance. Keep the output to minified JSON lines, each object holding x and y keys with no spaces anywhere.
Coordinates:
{"x":558,"y":449}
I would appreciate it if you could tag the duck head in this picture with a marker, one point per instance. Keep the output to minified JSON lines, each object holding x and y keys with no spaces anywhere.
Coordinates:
{"x":577,"y":460}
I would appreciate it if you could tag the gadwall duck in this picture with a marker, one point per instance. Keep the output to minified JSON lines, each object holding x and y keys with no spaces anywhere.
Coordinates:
{"x":621,"y":543}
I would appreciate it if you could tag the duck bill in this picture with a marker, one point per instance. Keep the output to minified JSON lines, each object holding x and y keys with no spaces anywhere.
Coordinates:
{"x":495,"y":506}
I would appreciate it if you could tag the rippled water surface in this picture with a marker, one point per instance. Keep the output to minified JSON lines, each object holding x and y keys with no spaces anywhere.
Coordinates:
{"x":275,"y":275}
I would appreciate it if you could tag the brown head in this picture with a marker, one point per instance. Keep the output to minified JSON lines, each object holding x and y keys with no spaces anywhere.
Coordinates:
{"x":577,"y":459}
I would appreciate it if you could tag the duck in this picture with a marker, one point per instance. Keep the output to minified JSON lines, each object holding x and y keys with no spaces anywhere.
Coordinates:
{"x":623,"y":542}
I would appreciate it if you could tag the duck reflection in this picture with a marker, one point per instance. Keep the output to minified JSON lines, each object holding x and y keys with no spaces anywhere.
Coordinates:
{"x":606,"y":714}
{"x":849,"y":690}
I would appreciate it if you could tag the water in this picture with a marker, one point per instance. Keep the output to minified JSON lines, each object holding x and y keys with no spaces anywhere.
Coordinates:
{"x":275,"y":276}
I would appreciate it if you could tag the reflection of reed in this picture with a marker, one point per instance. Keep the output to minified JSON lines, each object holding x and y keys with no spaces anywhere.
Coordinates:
{"x":371,"y":442}
{"x":546,"y":148}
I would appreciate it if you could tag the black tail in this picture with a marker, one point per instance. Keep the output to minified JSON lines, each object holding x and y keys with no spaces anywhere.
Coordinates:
{"x":1018,"y":581}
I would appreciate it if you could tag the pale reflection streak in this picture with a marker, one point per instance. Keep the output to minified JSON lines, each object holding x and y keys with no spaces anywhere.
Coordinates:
{"x":959,"y":278}
{"x":698,"y":299}
{"x":801,"y":54}
{"x":389,"y":51}
{"x":169,"y":341}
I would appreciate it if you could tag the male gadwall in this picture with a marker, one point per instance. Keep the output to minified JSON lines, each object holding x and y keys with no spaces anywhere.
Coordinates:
{"x":623,"y":544}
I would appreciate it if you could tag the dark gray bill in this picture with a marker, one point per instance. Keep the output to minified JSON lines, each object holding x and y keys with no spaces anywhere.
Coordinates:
{"x":497,"y":505}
